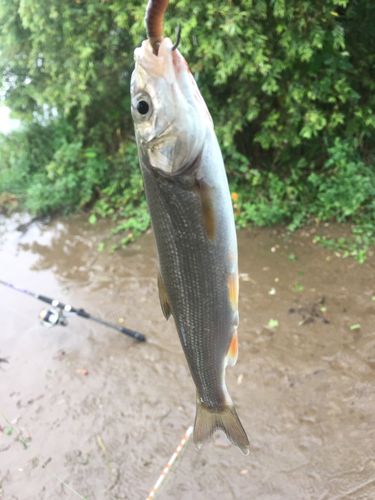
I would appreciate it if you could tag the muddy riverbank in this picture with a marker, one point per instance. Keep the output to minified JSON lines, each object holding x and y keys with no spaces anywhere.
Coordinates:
{"x":304,"y":389}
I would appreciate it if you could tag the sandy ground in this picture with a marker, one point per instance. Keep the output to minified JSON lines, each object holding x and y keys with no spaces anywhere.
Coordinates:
{"x":304,"y":389}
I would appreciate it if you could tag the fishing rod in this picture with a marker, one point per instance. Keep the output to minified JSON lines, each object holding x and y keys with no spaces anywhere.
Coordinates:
{"x":57,"y":314}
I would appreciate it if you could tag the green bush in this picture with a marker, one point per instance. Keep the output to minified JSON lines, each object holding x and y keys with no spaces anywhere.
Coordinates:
{"x":346,"y":188}
{"x":48,"y":172}
{"x":57,"y":175}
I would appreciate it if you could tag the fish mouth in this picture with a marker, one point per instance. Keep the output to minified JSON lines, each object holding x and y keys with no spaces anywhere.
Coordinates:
{"x":160,"y":136}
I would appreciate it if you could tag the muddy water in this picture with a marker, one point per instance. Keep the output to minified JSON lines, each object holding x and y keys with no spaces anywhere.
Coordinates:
{"x":304,"y":392}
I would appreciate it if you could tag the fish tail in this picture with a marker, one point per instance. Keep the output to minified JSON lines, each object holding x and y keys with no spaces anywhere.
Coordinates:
{"x":207,"y":421}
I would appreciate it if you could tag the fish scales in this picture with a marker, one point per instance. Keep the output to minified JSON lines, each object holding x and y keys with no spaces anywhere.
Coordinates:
{"x":193,"y":272}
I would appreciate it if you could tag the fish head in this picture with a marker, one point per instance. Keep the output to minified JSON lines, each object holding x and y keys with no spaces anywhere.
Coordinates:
{"x":170,"y":116}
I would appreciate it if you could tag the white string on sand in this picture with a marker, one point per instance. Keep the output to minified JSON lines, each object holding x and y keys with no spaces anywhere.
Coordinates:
{"x":183,"y":441}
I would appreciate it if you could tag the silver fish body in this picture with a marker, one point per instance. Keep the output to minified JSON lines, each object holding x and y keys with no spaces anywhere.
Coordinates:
{"x":191,"y":213}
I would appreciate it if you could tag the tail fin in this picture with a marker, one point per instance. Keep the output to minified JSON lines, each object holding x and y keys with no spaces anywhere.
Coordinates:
{"x":226,"y":419}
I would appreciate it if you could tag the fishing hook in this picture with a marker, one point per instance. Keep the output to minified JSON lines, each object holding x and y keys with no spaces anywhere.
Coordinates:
{"x":178,"y":37}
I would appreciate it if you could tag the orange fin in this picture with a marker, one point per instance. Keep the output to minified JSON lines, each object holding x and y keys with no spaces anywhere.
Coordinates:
{"x":232,"y":353}
{"x":224,"y":418}
{"x":208,"y":211}
{"x":165,"y":307}
{"x":233,"y":290}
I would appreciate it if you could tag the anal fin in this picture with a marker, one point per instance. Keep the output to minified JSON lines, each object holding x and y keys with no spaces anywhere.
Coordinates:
{"x":165,"y":307}
{"x":232,"y":353}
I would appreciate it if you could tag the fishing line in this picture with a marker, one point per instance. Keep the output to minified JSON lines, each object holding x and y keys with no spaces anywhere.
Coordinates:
{"x":167,"y":468}
{"x":44,"y":465}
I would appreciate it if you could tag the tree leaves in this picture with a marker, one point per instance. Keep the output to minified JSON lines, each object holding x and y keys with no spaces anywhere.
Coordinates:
{"x":290,"y":85}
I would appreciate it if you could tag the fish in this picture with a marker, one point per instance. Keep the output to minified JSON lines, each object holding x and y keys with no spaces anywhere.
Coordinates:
{"x":191,"y":213}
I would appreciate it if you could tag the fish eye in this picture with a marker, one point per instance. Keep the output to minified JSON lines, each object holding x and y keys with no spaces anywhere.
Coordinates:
{"x":143,"y":107}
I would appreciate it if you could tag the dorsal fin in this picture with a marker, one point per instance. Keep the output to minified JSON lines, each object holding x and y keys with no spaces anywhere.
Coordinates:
{"x":165,"y":307}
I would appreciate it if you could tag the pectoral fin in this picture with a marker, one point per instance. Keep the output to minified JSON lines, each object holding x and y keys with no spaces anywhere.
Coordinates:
{"x":208,"y":212}
{"x":165,"y":307}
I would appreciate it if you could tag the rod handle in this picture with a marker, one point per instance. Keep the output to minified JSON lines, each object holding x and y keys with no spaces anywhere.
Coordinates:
{"x":132,"y":333}
{"x":44,"y":299}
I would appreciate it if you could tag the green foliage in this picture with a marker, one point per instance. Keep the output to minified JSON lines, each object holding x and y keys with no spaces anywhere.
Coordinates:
{"x":346,"y":186}
{"x":357,"y":246}
{"x":124,"y":197}
{"x":62,"y":175}
{"x":49,"y":172}
{"x":273,"y":323}
{"x":291,"y":88}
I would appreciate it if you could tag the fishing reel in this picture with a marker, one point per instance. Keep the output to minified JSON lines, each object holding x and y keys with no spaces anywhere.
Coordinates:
{"x":51,"y":317}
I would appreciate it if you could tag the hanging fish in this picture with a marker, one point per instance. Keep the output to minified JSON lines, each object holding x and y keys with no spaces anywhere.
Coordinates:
{"x":192,"y":217}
